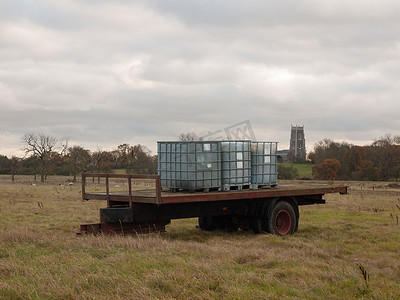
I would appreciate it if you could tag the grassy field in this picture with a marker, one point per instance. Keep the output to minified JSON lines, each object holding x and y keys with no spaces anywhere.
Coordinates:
{"x":304,"y":170}
{"x":348,"y":248}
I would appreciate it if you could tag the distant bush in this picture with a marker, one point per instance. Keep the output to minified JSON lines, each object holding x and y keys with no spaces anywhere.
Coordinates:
{"x":287,"y":172}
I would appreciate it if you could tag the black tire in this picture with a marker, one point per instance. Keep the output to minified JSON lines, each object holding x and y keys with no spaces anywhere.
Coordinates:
{"x":297,"y":224}
{"x":258,"y":222}
{"x":264,"y":225}
{"x":201,"y":223}
{"x":256,"y":225}
{"x":282,"y":219}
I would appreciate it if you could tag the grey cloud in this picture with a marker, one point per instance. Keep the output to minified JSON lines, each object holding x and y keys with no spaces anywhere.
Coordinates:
{"x":105,"y":72}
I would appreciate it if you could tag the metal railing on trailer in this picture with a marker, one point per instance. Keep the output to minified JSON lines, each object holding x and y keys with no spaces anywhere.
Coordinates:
{"x":129,"y":177}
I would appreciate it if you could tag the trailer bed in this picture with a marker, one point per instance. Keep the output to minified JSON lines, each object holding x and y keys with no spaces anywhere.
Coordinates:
{"x":136,"y":211}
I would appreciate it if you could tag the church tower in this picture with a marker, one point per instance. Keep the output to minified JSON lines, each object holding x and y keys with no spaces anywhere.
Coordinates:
{"x":297,"y":143}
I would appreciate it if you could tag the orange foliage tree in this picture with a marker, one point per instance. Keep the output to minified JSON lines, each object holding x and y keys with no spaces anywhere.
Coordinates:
{"x":328,"y":169}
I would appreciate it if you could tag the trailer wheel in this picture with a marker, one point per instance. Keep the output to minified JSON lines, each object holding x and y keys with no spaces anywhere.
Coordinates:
{"x":282,"y":219}
{"x":258,"y":221}
{"x":256,"y":225}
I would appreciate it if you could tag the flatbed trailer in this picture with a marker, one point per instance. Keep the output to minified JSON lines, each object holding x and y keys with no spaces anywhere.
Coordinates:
{"x":273,"y":210}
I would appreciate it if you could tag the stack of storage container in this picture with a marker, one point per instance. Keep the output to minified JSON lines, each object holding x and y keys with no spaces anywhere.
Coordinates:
{"x":216,"y":165}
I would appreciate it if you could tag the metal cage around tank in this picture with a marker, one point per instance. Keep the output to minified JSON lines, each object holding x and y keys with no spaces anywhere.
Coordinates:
{"x":190,"y":165}
{"x":264,"y":164}
{"x":236,"y":164}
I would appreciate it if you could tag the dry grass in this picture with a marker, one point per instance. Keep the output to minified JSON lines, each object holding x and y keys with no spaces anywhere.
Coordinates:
{"x":348,"y":248}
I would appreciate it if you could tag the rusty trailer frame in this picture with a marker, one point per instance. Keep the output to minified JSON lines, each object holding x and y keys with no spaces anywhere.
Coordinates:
{"x":143,"y":211}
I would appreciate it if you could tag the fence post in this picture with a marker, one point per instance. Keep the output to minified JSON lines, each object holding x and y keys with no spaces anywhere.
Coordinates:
{"x":108,"y":191}
{"x":130,"y":191}
{"x":83,"y":187}
{"x":158,"y":189}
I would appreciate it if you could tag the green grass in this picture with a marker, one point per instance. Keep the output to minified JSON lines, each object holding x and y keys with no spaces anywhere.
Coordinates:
{"x":304,"y":170}
{"x":119,"y":171}
{"x":41,"y":257}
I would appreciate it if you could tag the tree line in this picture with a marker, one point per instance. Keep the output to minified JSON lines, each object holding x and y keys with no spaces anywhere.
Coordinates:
{"x":45,"y":155}
{"x":340,"y":160}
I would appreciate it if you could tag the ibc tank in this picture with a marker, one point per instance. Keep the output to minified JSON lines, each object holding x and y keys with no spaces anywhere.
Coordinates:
{"x":189,"y":165}
{"x":236,"y":164}
{"x":264,"y":164}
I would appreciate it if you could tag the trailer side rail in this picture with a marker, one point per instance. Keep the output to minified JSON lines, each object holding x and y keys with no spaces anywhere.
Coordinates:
{"x":129,"y":177}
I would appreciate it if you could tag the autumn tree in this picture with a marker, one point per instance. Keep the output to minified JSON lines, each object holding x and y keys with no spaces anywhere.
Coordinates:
{"x":328,"y":149}
{"x":78,"y":160}
{"x":328,"y":169}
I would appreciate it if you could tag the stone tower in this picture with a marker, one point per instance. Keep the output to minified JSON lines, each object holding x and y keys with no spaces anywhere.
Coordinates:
{"x":297,"y":143}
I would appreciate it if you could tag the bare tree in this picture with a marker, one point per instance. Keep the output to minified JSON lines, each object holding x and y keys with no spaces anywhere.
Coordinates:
{"x":39,"y":146}
{"x":188,"y":137}
{"x":64,"y":146}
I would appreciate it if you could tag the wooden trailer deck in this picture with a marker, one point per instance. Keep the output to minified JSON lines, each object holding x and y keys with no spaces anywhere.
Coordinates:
{"x":158,"y":196}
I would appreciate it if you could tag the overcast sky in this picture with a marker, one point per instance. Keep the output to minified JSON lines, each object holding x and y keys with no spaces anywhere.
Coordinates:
{"x":104,"y":73}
